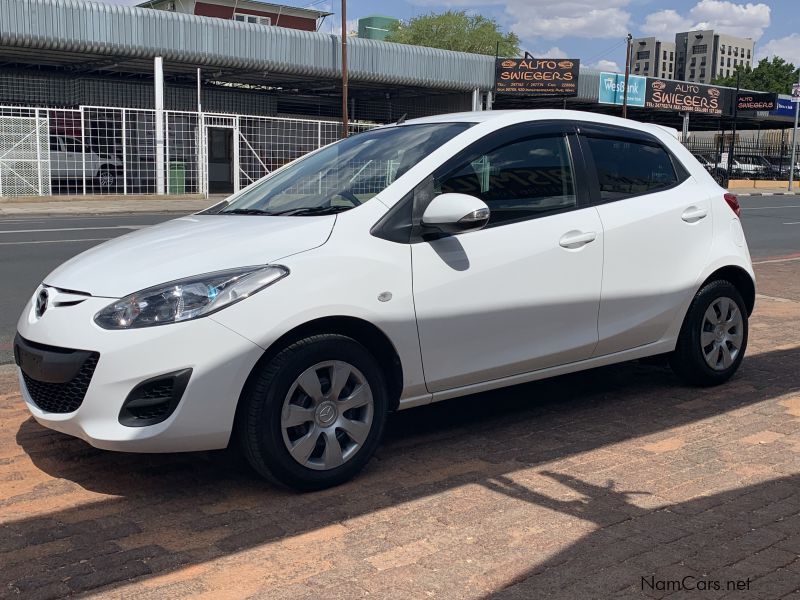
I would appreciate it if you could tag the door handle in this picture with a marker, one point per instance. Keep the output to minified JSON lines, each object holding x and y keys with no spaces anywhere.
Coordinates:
{"x":576,"y":239}
{"x":694,"y":214}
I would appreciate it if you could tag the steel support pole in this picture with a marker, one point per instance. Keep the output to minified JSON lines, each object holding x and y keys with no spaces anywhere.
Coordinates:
{"x":345,"y":119}
{"x":158,"y":72}
{"x":794,"y":140}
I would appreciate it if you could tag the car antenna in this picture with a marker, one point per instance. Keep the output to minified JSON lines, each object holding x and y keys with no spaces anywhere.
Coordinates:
{"x":402,"y":119}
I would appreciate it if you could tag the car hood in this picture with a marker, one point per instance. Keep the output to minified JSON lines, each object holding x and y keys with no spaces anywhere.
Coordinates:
{"x":188,"y":246}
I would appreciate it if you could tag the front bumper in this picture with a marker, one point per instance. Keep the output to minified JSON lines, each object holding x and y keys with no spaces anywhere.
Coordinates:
{"x":220,"y":361}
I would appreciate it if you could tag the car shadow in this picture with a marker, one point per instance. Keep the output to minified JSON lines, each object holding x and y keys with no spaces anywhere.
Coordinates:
{"x":209,"y":505}
{"x":741,"y":540}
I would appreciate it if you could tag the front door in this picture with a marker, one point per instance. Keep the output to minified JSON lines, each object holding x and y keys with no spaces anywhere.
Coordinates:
{"x":522,"y":294}
{"x":220,"y":160}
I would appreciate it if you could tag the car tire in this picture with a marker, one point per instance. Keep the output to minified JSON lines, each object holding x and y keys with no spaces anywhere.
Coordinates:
{"x":293,"y":426}
{"x":713,"y":337}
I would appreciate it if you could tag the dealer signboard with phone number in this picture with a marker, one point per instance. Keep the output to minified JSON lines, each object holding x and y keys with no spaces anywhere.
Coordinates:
{"x":537,"y":76}
{"x":683,"y":96}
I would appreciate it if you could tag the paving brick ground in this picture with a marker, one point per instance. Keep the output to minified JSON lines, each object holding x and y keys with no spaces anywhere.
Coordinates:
{"x":617,"y":483}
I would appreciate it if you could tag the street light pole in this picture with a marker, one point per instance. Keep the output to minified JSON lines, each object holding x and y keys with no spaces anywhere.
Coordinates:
{"x":794,"y":137}
{"x":344,"y":69}
{"x":627,"y":74}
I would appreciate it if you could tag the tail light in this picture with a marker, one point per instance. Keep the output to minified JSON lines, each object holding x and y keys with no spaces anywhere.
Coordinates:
{"x":733,"y":202}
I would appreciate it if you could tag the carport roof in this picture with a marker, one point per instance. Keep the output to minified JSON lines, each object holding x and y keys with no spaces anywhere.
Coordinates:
{"x":76,"y":33}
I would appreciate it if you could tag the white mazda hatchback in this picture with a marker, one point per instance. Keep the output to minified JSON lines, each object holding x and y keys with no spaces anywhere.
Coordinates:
{"x":408,"y":264}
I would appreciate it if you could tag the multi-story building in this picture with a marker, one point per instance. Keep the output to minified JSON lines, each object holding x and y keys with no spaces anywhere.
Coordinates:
{"x":376,"y":27}
{"x":704,"y":55}
{"x":653,"y":57}
{"x":246,"y":11}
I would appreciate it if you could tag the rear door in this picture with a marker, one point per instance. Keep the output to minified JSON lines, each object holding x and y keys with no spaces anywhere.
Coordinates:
{"x":657,"y":234}
{"x":522,"y":294}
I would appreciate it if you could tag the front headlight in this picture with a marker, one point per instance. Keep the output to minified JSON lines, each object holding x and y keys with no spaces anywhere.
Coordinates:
{"x":188,"y":298}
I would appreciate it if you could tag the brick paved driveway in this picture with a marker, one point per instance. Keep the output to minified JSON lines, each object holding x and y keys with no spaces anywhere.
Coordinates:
{"x":574,"y":488}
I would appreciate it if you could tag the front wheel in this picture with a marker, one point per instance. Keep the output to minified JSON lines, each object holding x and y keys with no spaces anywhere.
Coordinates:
{"x":314,"y":415}
{"x":713,"y":337}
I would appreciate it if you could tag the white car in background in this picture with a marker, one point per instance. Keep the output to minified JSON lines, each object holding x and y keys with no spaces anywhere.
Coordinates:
{"x":409,"y":264}
{"x":69,"y":162}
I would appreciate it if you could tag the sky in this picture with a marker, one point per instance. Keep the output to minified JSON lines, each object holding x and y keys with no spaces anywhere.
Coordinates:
{"x":594,"y":30}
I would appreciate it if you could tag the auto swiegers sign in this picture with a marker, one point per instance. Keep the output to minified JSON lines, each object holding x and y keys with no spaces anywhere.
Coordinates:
{"x":537,"y":76}
{"x":683,"y":96}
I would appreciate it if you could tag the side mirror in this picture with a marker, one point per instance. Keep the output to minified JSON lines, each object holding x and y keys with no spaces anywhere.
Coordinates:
{"x":455,"y":213}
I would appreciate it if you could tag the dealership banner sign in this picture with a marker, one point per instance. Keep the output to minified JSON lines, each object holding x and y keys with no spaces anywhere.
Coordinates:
{"x":612,"y":89}
{"x":746,"y":101}
{"x":537,"y":76}
{"x":683,"y":96}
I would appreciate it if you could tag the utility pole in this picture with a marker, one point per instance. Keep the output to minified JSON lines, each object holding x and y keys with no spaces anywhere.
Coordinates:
{"x":796,"y":100}
{"x":344,"y":69}
{"x":627,"y":74}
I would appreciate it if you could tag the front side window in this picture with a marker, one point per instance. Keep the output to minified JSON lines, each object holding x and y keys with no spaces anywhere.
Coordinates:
{"x":520,"y":180}
{"x":72,"y":145}
{"x":628,"y":168}
{"x":345,"y":174}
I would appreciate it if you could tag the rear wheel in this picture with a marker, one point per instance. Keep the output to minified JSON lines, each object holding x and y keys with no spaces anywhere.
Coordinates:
{"x":106,"y":180}
{"x":713,"y":337}
{"x":314,"y":415}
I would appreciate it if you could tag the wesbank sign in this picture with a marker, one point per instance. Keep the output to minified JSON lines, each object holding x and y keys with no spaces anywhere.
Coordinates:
{"x":612,"y":89}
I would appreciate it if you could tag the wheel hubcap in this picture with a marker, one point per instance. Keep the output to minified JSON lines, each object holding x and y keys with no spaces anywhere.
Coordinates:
{"x":327,"y":415}
{"x":721,"y":333}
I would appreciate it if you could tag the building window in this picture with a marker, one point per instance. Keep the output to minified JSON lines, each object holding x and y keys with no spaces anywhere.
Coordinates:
{"x":694,"y":61}
{"x":729,"y":61}
{"x":702,"y":73}
{"x":244,"y":18}
{"x":722,"y":48}
{"x":663,"y":66}
{"x":646,"y":66}
{"x":636,"y":68}
{"x":691,"y":74}
{"x":748,"y":54}
{"x":671,"y":56}
{"x":643,"y":55}
{"x":701,"y":49}
{"x":730,"y":50}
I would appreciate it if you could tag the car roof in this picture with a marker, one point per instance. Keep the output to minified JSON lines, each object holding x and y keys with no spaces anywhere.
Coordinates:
{"x":514,"y":116}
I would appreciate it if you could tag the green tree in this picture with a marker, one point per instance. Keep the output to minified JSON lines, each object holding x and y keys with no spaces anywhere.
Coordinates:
{"x":456,"y":30}
{"x":776,"y":75}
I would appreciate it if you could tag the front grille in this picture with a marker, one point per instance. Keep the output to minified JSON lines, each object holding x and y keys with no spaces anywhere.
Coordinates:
{"x":62,"y":397}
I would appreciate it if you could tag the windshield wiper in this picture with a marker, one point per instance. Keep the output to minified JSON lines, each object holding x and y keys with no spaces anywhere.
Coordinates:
{"x":311,"y":210}
{"x":245,"y":211}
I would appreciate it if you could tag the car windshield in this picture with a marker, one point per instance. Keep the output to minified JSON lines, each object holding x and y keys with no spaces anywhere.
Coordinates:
{"x":345,"y":174}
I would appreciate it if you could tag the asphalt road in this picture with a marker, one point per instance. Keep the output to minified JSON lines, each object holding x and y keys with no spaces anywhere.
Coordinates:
{"x":33,"y":246}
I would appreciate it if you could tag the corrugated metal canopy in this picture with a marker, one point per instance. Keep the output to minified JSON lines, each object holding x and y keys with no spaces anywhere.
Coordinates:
{"x":89,"y":28}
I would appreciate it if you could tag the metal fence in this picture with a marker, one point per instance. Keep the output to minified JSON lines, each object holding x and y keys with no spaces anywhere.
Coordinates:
{"x":111,"y":150}
{"x":753,"y":159}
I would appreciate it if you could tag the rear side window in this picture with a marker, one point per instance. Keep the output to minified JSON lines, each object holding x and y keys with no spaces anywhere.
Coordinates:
{"x":628,"y":168}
